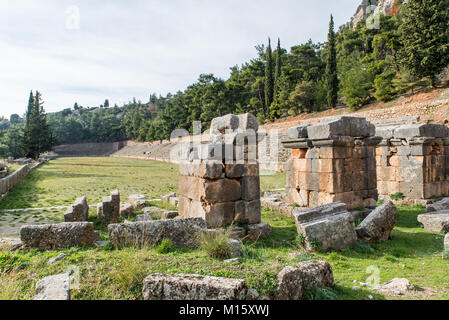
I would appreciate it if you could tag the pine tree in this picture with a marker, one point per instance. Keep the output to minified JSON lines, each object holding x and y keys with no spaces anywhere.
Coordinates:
{"x":278,"y":68}
{"x":331,"y":68}
{"x":269,"y":85}
{"x":425,"y":38}
{"x":37,"y":134}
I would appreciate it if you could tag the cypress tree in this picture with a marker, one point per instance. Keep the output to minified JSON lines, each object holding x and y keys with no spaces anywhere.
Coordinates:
{"x":331,"y":68}
{"x":269,"y":82}
{"x":37,"y":135}
{"x":425,"y":38}
{"x":278,"y":67}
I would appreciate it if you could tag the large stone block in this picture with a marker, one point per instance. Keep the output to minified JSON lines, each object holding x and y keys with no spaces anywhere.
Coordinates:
{"x":299,"y":132}
{"x":248,"y":211}
{"x":138,"y":200}
{"x":192,"y":287}
{"x":59,"y":236}
{"x":217,"y":215}
{"x":440,"y":205}
{"x":378,"y":225}
{"x":182,"y":232}
{"x":328,"y":226}
{"x":343,"y":126}
{"x":309,"y":276}
{"x":421,"y":130}
{"x":435,"y":222}
{"x":78,"y":212}
{"x":222,"y":190}
{"x":250,"y":188}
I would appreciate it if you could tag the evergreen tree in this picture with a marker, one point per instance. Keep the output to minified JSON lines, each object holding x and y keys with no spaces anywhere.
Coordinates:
{"x":278,"y":68}
{"x":425,"y":38}
{"x":37,"y":135}
{"x":331,"y":68}
{"x":269,"y":82}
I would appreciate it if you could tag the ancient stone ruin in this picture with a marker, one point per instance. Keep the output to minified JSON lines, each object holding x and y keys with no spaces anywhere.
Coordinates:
{"x":413,"y":160}
{"x":333,"y":161}
{"x":327,"y":226}
{"x":219,"y":181}
{"x":77,"y":212}
{"x":109,"y":209}
{"x":378,"y":225}
{"x":59,"y":236}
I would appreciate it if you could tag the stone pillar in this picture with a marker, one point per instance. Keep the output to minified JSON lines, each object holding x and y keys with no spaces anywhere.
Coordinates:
{"x":333,"y":161}
{"x":219,"y":181}
{"x":109,"y":209}
{"x":413,"y":160}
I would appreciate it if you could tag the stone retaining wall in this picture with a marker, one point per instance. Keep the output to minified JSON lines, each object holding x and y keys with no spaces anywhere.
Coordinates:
{"x":11,"y":180}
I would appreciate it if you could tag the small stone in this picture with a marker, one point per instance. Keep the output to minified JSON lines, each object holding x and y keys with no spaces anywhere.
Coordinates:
{"x":143,"y":217}
{"x":102,"y":244}
{"x":370,"y":297}
{"x":167,"y":215}
{"x":56,"y":259}
{"x":234,"y":245}
{"x":356,"y":288}
{"x":396,"y":286}
{"x":252,"y":294}
{"x":233,"y":260}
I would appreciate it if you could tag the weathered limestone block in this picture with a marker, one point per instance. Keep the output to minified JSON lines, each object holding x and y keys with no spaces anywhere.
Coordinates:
{"x":258,"y":231}
{"x":107,"y":213}
{"x":223,"y":190}
{"x":421,"y":130}
{"x":127,"y":210}
{"x":308,"y":275}
{"x":248,"y":211}
{"x":154,"y":212}
{"x":174,"y":201}
{"x":59,"y":236}
{"x":10,"y":244}
{"x":327,"y":226}
{"x":78,"y":212}
{"x":441,"y":205}
{"x":235,"y":247}
{"x":167,"y":215}
{"x":182,"y":232}
{"x":192,"y":287}
{"x":378,"y":225}
{"x":299,"y":132}
{"x":340,"y":127}
{"x":55,"y":288}
{"x":143,"y":217}
{"x":396,"y":287}
{"x":435,"y":222}
{"x":166,"y":198}
{"x":138,"y":200}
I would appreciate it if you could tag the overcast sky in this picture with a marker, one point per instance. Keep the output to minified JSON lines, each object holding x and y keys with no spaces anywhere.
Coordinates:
{"x":88,"y":50}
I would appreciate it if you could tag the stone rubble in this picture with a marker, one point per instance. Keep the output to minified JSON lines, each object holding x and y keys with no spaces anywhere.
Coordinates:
{"x":327,"y":226}
{"x":181,"y":232}
{"x":10,"y":244}
{"x":396,"y":287}
{"x":308,"y":275}
{"x":378,"y":225}
{"x":56,"y":288}
{"x":192,"y":287}
{"x":435,"y":221}
{"x":127,"y":210}
{"x":78,"y":212}
{"x":138,"y":200}
{"x":143,"y":217}
{"x":109,"y":209}
{"x":59,"y":236}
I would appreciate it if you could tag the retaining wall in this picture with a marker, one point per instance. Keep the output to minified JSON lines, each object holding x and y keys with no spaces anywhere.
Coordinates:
{"x":11,"y":180}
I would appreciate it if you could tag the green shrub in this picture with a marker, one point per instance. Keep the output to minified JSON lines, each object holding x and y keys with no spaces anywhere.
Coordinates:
{"x":165,"y":247}
{"x":397,"y":196}
{"x":216,"y":244}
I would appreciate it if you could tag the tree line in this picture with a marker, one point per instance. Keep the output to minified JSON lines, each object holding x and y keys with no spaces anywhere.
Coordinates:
{"x":354,"y":67}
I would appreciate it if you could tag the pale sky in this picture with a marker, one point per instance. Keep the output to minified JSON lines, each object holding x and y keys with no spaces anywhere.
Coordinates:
{"x":88,"y":50}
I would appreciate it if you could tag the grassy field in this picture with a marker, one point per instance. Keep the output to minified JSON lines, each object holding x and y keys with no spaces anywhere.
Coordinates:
{"x":109,"y":273}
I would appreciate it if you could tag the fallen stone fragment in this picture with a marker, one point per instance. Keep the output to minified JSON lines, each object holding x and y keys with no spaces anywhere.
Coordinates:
{"x":258,"y":231}
{"x":166,"y":198}
{"x":233,"y":260}
{"x":327,"y":226}
{"x":53,"y":288}
{"x":153,"y":211}
{"x":396,"y":286}
{"x":308,"y":275}
{"x":10,"y":244}
{"x":143,"y":217}
{"x":126,"y":210}
{"x":138,"y":200}
{"x":181,"y":232}
{"x":435,"y":222}
{"x":59,"y":236}
{"x":441,"y":205}
{"x":378,"y":225}
{"x":57,"y":258}
{"x":102,"y":244}
{"x":78,"y":212}
{"x":192,"y":287}
{"x":234,"y":246}
{"x":167,"y":215}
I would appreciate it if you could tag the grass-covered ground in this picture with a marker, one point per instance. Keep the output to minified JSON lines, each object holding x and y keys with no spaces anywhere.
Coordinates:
{"x":109,"y":273}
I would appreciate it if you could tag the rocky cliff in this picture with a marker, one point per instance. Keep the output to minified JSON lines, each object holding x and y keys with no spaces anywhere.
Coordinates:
{"x":389,"y":7}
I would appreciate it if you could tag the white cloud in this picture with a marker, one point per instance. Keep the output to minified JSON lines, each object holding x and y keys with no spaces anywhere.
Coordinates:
{"x":127,"y":49}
